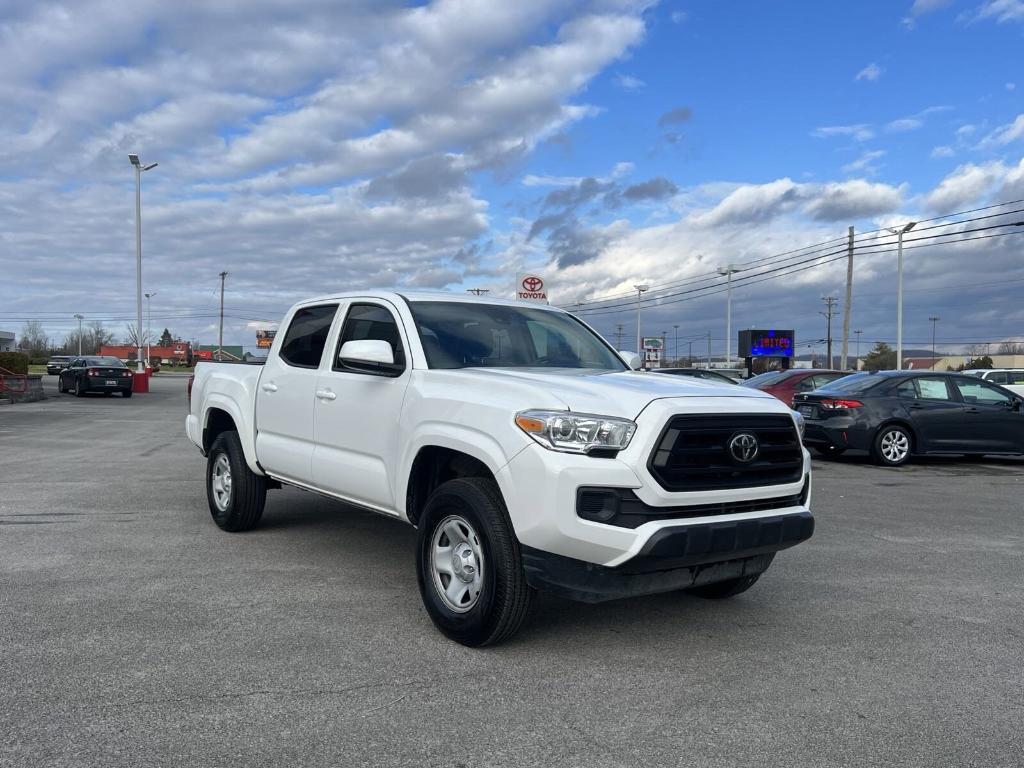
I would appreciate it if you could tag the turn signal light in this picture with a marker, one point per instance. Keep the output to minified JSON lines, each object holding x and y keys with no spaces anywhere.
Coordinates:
{"x":834,"y":404}
{"x":92,"y":372}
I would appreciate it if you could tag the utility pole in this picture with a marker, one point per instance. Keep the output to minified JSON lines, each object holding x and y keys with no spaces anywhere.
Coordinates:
{"x":478,"y":291}
{"x":675,"y":346}
{"x":849,"y":300}
{"x":639,"y":291}
{"x":830,"y":302}
{"x":618,"y":335}
{"x":899,"y":289}
{"x":80,"y":318}
{"x":149,"y":324}
{"x":139,"y":169}
{"x":709,"y":350}
{"x":727,"y":272}
{"x":220,"y":336}
{"x":858,"y":349}
{"x":934,"y":321}
{"x":689,"y":354}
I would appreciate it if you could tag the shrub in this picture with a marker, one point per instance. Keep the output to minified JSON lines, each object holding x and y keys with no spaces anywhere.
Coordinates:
{"x":39,"y":361}
{"x":15,"y":362}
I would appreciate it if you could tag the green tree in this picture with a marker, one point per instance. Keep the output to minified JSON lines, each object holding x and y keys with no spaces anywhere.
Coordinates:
{"x":881,"y":358}
{"x":166,"y":339}
{"x":976,"y":362}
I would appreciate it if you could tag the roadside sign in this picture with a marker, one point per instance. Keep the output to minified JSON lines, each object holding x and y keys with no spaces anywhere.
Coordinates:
{"x":265,"y":338}
{"x":531,"y":287}
{"x":652,"y":351}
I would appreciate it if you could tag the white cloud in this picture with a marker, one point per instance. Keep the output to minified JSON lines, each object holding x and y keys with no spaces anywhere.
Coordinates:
{"x":1002,"y":10}
{"x":971,"y":183}
{"x":678,"y":17}
{"x":1005,"y":134}
{"x":628,"y":82}
{"x":852,"y":200}
{"x":859,"y":132}
{"x":864,"y":163}
{"x":942,"y":151}
{"x":1011,"y":87}
{"x":904,"y":124}
{"x":870,"y":73}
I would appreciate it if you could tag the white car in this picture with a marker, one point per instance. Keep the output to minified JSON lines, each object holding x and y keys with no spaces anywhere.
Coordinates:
{"x":1010,"y":378}
{"x":522,"y":446}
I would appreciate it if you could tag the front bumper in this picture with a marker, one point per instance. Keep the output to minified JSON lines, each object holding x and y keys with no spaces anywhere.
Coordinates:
{"x":540,"y":488}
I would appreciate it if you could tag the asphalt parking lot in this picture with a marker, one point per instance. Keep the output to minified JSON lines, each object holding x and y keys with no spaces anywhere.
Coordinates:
{"x":134,"y":632}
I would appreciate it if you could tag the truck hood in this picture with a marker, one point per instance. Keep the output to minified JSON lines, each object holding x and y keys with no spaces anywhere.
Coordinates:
{"x":623,"y":394}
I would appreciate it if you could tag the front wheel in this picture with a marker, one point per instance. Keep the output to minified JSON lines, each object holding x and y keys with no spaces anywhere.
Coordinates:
{"x":236,"y":495}
{"x":892,"y":445}
{"x":468,"y":564}
{"x":79,"y":392}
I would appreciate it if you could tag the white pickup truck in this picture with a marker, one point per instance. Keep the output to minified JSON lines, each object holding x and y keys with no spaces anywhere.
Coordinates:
{"x":522,"y":446}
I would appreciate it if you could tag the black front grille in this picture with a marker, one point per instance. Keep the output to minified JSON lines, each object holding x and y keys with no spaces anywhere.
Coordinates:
{"x":693,"y":453}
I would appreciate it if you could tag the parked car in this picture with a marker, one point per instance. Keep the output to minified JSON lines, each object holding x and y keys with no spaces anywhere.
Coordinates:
{"x":696,"y":373}
{"x":57,"y":363}
{"x":897,"y":414}
{"x":95,"y":374}
{"x":785,"y":384}
{"x":520,"y":444}
{"x":1011,"y":378}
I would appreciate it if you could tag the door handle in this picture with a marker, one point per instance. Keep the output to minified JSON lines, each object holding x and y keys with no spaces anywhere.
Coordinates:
{"x":971,"y":410}
{"x":916,"y":405}
{"x":325,"y":394}
{"x":268,"y":387}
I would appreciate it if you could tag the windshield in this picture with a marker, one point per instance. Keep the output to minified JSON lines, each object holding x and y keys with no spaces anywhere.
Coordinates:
{"x":856,"y":382}
{"x":105,"y":362}
{"x":458,"y":334}
{"x":765,"y":379}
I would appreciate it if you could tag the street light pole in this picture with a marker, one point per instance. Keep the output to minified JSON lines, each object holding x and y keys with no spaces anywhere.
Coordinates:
{"x":639,"y":290}
{"x":899,"y":289}
{"x":149,"y":324}
{"x":727,"y":271}
{"x":934,"y":321}
{"x":858,"y":350}
{"x":80,"y":318}
{"x":139,"y":168}
{"x":675,"y":347}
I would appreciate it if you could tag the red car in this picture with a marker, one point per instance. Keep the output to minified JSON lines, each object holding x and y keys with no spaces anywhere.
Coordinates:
{"x":786,"y":384}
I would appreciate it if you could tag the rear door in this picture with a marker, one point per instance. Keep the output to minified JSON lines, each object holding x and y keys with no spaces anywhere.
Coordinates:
{"x":935,"y":412}
{"x":358,"y":408}
{"x":992,"y":421}
{"x":284,"y":396}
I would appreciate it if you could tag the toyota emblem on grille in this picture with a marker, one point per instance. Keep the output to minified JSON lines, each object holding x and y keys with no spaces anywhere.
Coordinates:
{"x":743,"y":447}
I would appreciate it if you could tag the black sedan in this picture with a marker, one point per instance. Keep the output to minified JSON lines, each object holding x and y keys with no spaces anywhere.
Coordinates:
{"x":897,"y":414}
{"x":57,"y":363}
{"x":96,"y":374}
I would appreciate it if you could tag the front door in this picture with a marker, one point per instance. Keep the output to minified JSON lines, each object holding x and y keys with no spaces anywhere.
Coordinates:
{"x":991,"y":423}
{"x":358,"y":408}
{"x":285,"y":395}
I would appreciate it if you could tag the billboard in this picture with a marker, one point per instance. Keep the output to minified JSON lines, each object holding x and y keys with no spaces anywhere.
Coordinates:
{"x":531,"y":287}
{"x":264,"y":338}
{"x":766,"y":343}
{"x":652,"y":351}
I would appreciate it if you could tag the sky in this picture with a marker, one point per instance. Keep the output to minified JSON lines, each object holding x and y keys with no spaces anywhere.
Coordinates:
{"x":319,"y":146}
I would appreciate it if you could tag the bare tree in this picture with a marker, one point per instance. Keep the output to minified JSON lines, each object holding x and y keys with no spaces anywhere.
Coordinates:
{"x":97,"y":336}
{"x":131,"y":336}
{"x":34,"y":339}
{"x":1010,"y":348}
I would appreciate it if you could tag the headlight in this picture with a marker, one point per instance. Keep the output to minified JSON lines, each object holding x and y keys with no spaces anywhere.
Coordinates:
{"x":576,"y":432}
{"x":801,"y":424}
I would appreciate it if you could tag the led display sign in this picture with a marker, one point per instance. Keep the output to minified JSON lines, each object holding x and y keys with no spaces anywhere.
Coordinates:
{"x":766,"y":343}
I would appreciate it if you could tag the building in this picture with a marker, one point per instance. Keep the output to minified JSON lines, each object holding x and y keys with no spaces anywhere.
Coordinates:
{"x":210,"y":352}
{"x":178,"y":352}
{"x":8,"y":342}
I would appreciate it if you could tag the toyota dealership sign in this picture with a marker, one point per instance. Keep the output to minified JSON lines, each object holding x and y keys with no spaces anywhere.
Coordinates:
{"x":530,"y":287}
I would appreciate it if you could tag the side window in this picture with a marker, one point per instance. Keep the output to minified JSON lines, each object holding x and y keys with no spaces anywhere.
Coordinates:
{"x":807,"y":384}
{"x":907,"y":390}
{"x":933,"y":389}
{"x":979,"y":392}
{"x":1015,"y":377}
{"x":373,"y":322}
{"x":307,"y":336}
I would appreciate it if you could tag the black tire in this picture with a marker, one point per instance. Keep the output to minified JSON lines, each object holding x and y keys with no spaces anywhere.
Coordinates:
{"x":126,"y":393}
{"x":247,"y":494}
{"x":890,"y":435}
{"x":504,"y":596}
{"x":723,"y":589}
{"x":828,"y":451}
{"x":79,"y":392}
{"x":60,"y":385}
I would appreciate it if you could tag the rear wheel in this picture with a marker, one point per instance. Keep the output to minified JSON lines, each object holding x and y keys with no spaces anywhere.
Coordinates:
{"x":60,"y":385}
{"x":892,"y":446}
{"x":468,"y":564}
{"x":236,"y":495}
{"x":723,"y":589}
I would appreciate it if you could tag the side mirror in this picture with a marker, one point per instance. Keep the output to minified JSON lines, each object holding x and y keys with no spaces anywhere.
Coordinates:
{"x":366,"y":351}
{"x":632,"y":359}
